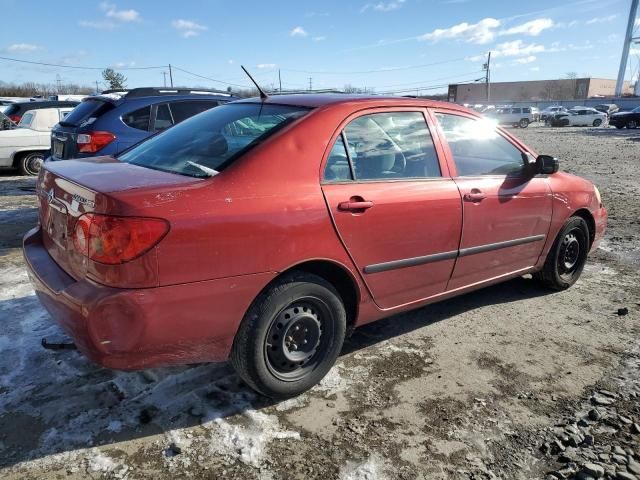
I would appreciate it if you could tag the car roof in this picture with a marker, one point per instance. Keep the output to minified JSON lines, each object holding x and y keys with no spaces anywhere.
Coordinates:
{"x":311,"y":100}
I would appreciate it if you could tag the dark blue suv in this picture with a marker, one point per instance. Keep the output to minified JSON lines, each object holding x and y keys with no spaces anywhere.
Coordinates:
{"x":111,"y":122}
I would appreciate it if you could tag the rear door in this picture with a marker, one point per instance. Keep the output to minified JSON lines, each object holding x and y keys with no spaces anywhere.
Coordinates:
{"x":394,"y":206}
{"x":507,"y":211}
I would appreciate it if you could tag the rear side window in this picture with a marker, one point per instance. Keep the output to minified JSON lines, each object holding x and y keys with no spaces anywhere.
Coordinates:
{"x":163,"y":118}
{"x":138,"y":118}
{"x":478,"y":149}
{"x":394,"y":145}
{"x":86,"y":110}
{"x":26,"y":120}
{"x":526,"y":110}
{"x":183,"y":110}
{"x":337,"y":168}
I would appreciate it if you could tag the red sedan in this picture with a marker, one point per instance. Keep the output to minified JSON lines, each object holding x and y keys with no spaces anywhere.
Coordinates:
{"x":265,"y":231}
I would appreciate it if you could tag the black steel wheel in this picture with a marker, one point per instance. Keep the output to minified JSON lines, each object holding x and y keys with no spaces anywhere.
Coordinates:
{"x":567,"y":257}
{"x":290,"y":336}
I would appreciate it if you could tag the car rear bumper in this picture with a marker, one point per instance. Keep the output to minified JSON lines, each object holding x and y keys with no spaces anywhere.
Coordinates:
{"x":130,"y":329}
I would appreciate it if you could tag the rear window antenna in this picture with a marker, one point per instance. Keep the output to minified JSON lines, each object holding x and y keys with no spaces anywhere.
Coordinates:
{"x":263,"y":96}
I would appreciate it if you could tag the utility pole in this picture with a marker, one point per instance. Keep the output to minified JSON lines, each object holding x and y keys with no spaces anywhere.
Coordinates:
{"x":310,"y":84}
{"x":628,"y":40}
{"x":280,"y":80}
{"x":170,"y":76}
{"x":164,"y":76}
{"x":487,"y":78}
{"x":97,"y":91}
{"x":58,"y":82}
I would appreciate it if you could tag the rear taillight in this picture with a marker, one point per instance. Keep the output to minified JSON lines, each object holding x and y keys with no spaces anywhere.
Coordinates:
{"x":15,"y":118}
{"x":114,"y":240}
{"x":94,"y":142}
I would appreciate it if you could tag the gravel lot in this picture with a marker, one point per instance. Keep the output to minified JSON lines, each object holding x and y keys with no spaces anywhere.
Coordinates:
{"x":509,"y":382}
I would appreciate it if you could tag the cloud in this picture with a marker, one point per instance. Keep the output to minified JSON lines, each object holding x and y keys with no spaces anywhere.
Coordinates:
{"x":112,"y":11}
{"x":525,"y":60}
{"x":608,"y":18}
{"x":188,"y":28}
{"x":319,"y":39}
{"x":481,"y":32}
{"x":533,"y":28}
{"x":22,"y":48}
{"x":298,"y":32}
{"x":113,"y":17}
{"x":383,"y":6}
{"x":267,"y":65}
{"x":516,"y":48}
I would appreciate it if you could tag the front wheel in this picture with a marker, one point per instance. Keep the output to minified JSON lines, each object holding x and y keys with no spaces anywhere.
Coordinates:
{"x":291,"y":336}
{"x":524,"y":123}
{"x":565,"y":261}
{"x":597,"y":122}
{"x":30,"y":163}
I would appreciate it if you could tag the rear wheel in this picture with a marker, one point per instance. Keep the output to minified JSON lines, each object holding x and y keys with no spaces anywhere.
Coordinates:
{"x":30,"y":163}
{"x":632,"y":124}
{"x":524,"y":123}
{"x":567,"y":256}
{"x":290,"y":336}
{"x":597,"y":122}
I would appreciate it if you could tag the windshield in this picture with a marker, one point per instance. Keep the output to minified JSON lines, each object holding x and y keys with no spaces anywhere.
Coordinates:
{"x":206,"y":143}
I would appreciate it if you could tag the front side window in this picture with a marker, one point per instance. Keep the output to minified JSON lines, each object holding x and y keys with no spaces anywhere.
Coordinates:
{"x":138,"y":119}
{"x":204,"y":145}
{"x":478,"y":149}
{"x":392,"y":145}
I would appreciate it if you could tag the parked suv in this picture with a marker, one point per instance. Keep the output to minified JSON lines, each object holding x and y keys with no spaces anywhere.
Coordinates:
{"x":265,"y":230}
{"x":516,"y":116}
{"x":113,"y":121}
{"x":15,"y":110}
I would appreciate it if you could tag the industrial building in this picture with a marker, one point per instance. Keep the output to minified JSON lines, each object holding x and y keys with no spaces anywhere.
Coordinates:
{"x":536,"y":90}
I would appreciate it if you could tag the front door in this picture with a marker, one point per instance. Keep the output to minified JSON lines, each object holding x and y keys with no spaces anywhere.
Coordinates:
{"x":395,"y":208}
{"x":506,"y":210}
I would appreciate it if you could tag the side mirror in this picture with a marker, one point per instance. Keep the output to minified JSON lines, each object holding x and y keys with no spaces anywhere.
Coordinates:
{"x":546,"y":164}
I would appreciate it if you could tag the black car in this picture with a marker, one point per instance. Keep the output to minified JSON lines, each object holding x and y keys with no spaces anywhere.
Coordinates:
{"x":113,"y":121}
{"x":15,"y":110}
{"x":626,"y":119}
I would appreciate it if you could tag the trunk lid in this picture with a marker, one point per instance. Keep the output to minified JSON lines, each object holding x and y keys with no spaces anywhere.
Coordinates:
{"x":68,"y":189}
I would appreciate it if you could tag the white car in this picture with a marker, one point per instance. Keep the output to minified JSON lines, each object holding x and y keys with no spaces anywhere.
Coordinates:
{"x":516,"y":116}
{"x":579,"y":117}
{"x":551,"y":111}
{"x":26,"y":146}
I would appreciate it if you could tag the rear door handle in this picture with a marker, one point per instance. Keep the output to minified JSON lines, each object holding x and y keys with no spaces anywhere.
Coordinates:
{"x":475,"y":195}
{"x":355,"y":205}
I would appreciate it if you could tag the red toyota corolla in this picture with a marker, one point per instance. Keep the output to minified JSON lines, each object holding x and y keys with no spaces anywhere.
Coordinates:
{"x":264,"y":231}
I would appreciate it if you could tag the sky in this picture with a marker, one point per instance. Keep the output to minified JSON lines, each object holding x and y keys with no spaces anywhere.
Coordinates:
{"x":394,"y":46}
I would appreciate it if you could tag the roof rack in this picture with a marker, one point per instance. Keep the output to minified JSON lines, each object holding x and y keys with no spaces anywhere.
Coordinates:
{"x":304,"y":92}
{"x":157,"y":91}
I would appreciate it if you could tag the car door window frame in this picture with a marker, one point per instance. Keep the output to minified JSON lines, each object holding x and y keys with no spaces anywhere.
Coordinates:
{"x":449,"y":154}
{"x":340,"y":131}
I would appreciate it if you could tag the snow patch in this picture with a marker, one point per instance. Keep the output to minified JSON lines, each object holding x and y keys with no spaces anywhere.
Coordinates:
{"x":369,"y":470}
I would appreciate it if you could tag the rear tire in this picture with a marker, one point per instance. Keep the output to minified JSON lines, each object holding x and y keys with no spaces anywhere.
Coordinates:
{"x":291,"y":336}
{"x":30,"y":163}
{"x":565,"y":261}
{"x":524,"y":123}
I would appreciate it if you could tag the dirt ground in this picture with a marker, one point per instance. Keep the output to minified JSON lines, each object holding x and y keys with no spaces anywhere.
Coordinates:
{"x":488,"y":385}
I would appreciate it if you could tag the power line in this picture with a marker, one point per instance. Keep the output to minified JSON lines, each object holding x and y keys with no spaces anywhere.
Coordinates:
{"x":209,"y":78}
{"x":427,"y":87}
{"x":76,"y":66}
{"x":431,"y":80}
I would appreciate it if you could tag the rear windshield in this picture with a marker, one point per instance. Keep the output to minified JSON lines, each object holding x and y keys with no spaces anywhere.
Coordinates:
{"x":11,"y":110}
{"x":87,"y":109}
{"x":204,"y":145}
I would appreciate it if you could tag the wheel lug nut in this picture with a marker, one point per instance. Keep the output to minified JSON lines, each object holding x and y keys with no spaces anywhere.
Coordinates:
{"x":306,"y":330}
{"x":297,"y":327}
{"x":304,"y":342}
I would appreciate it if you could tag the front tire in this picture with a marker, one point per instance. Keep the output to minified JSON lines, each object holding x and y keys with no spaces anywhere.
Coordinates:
{"x":524,"y":123}
{"x":565,"y":261}
{"x":291,"y":336}
{"x":30,"y":163}
{"x":597,"y":122}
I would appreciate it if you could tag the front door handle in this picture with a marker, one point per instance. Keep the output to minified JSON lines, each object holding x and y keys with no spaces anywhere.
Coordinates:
{"x":475,"y":195}
{"x":355,"y":205}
